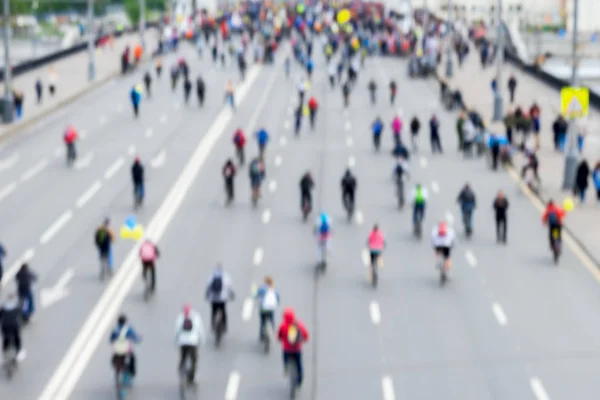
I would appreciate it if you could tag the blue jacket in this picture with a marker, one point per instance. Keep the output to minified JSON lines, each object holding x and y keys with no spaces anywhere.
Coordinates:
{"x":596,"y":179}
{"x":2,"y":253}
{"x":131,"y":334}
{"x":135,"y":97}
{"x":377,"y":128}
{"x":262,"y":136}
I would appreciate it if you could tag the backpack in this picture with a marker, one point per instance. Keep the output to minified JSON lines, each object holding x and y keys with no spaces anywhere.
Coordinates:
{"x":121,"y":344}
{"x":324,"y":228}
{"x":255,"y":168}
{"x":269,"y":301}
{"x":216,"y":285}
{"x":148,"y":252}
{"x":553,"y":219}
{"x":101,"y":237}
{"x":187,"y":324}
{"x":294,"y":336}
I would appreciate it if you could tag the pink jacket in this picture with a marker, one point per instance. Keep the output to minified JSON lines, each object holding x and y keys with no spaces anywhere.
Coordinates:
{"x":397,"y":125}
{"x":376,"y":240}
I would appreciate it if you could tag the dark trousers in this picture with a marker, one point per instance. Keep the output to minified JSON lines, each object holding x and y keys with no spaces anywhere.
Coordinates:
{"x":148,"y":268}
{"x":436,"y":145}
{"x":11,"y":337}
{"x":501,"y":229}
{"x":26,"y":298}
{"x":348,"y":198}
{"x":191,"y":352}
{"x":266,"y":317}
{"x":229,"y":187}
{"x":136,"y":109}
{"x":551,"y":228}
{"x":296,"y":358}
{"x":215,"y":309}
{"x":305,"y":196}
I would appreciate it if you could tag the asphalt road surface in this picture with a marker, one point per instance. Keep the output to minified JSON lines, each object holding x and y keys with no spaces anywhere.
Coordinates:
{"x":510,"y":324}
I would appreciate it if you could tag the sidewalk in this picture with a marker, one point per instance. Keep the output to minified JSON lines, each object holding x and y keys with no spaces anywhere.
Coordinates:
{"x":475,"y":85}
{"x":71,"y":79}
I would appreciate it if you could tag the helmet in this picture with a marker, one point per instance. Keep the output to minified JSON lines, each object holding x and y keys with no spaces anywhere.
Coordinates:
{"x":289,"y":315}
{"x":186,"y":310}
{"x":122,"y":320}
{"x":442,"y":228}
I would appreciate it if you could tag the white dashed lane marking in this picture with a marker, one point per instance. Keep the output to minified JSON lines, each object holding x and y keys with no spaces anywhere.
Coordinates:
{"x":499,"y":314}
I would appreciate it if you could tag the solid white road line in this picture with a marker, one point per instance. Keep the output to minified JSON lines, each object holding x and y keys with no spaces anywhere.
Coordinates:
{"x":366,"y":257}
{"x":272,"y":186}
{"x":258,"y":256}
{"x":387,"y":387}
{"x":233,"y":386}
{"x":149,"y":133}
{"x":266,"y":216}
{"x":131,"y":150}
{"x":375,"y":312}
{"x":56,"y":226}
{"x":471,"y":260}
{"x":9,"y":162}
{"x":351,"y":161}
{"x":112,"y":170}
{"x":7,"y":190}
{"x":349,"y":141}
{"x":247,"y":309}
{"x":423,"y":162}
{"x":358,"y":217}
{"x":85,"y":197}
{"x":10,"y":273}
{"x":278,"y":161}
{"x":282,"y":141}
{"x":435,"y":187}
{"x":71,"y":367}
{"x":538,"y":389}
{"x":33,"y":171}
{"x":499,"y":314}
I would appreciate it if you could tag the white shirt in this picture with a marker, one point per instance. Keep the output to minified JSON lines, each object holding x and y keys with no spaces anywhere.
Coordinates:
{"x":301,"y":86}
{"x":442,"y":241}
{"x":469,"y":130}
{"x":193,"y":337}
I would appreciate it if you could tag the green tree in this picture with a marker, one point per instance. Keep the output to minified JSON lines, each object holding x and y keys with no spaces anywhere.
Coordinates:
{"x":132,"y":8}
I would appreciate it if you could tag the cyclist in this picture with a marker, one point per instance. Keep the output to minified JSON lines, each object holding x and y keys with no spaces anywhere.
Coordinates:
{"x":218,"y":291}
{"x":10,"y":325}
{"x":70,"y":137}
{"x":393,"y":89}
{"x":292,"y":334}
{"x":257,"y":174}
{"x":269,"y":300}
{"x":377,"y":128}
{"x":25,"y":279}
{"x":313,"y":106}
{"x":348,"y":184}
{"x":442,"y":239}
{"x":553,"y":217}
{"x":189,"y":335}
{"x":228,"y":172}
{"x":376,"y":243}
{"x":122,"y":338}
{"x":239,"y":141}
{"x":397,"y":129}
{"x":137,"y":176}
{"x":306,"y":186}
{"x":148,"y":254}
{"x":400,"y":171}
{"x":262,"y":138}
{"x":419,"y":196}
{"x":466,"y":199}
{"x":323,"y":231}
{"x":104,"y":239}
{"x":373,"y":90}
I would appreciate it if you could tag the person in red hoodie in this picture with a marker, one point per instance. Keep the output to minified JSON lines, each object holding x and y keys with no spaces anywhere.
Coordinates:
{"x":70,"y":137}
{"x":292,"y":334}
{"x":239,"y":141}
{"x":312,"y":108}
{"x":553,"y":217}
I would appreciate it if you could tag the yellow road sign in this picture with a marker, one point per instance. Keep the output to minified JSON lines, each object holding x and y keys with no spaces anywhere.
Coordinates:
{"x":574,"y":102}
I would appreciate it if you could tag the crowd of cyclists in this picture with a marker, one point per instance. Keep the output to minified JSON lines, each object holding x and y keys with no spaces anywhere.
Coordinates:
{"x":342,"y":56}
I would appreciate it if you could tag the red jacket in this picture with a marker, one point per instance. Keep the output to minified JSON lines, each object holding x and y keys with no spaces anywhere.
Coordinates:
{"x":556,"y":209}
{"x":239,"y":139}
{"x":70,"y":135}
{"x":312,"y":104}
{"x":289,"y":318}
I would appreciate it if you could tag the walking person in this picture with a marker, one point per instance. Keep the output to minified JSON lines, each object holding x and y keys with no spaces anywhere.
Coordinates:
{"x":200,"y":88}
{"x":500,"y":206}
{"x":581,"y":180}
{"x":434,"y":128}
{"x":415,"y":126}
{"x":512,"y":86}
{"x":39,"y":88}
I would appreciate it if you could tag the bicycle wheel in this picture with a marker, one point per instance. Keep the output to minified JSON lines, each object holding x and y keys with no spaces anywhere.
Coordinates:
{"x":182,"y":383}
{"x":374,"y":276}
{"x":218,"y":328}
{"x":293,"y":375}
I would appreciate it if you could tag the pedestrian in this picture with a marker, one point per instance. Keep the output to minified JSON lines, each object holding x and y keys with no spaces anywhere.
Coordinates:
{"x":187,"y":89}
{"x":559,"y":129}
{"x":509,"y":126}
{"x":500,"y":207}
{"x":230,"y":94}
{"x":147,"y":82}
{"x":595,"y":178}
{"x":415,"y":127}
{"x":52,"y":80}
{"x":18,"y":103}
{"x":581,"y":180}
{"x":25,"y":279}
{"x":2,"y":255}
{"x":39,"y":90}
{"x":434,"y":128}
{"x":459,"y":130}
{"x":534,"y":115}
{"x":135,"y":100}
{"x":512,"y":86}
{"x":200,"y":87}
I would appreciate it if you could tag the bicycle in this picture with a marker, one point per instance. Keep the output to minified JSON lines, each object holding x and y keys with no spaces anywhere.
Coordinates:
{"x":239,"y":151}
{"x":266,"y":334}
{"x":184,"y":381}
{"x":400,"y":192}
{"x":292,"y":371}
{"x":123,"y":378}
{"x":10,"y":362}
{"x":375,"y":265}
{"x":148,"y":281}
{"x":71,"y":154}
{"x":219,"y":328}
{"x":322,"y":264}
{"x":418,"y":224}
{"x":255,"y":195}
{"x":349,"y":206}
{"x":306,"y":208}
{"x":443,"y":265}
{"x":556,"y":244}
{"x":467,"y":213}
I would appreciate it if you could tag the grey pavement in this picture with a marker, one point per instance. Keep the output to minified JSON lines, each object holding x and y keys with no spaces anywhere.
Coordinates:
{"x":71,"y":76}
{"x":510,"y":325}
{"x":474,"y":83}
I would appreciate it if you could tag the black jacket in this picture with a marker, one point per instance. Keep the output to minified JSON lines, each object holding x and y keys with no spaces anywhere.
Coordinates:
{"x":348,"y":183}
{"x":25,"y":279}
{"x":306,"y":184}
{"x":137,"y":173}
{"x":10,"y":315}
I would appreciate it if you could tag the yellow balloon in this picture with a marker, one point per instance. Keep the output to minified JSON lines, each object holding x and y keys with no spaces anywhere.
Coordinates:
{"x":138,"y":232}
{"x":568,"y":204}
{"x":305,"y":111}
{"x":126,"y":233}
{"x":343,"y":16}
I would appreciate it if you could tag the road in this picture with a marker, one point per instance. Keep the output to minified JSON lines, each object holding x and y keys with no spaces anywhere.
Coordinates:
{"x":510,"y":325}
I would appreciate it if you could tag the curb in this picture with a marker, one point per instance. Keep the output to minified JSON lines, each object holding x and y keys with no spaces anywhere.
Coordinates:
{"x":541,"y":199}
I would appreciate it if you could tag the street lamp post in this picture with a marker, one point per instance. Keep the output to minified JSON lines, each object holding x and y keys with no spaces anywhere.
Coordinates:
{"x":91,"y":41}
{"x":572,"y":154}
{"x":498,"y":101}
{"x":7,"y":110}
{"x":143,"y":24}
{"x":449,"y":69}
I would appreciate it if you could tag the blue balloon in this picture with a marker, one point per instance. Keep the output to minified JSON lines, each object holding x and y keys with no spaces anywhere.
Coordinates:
{"x":131,"y":222}
{"x":562,"y":32}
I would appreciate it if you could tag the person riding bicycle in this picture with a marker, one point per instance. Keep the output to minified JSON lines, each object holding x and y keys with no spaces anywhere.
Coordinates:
{"x":419,"y":196}
{"x":189,"y":335}
{"x":323,"y":231}
{"x":376,"y":243}
{"x":467,"y":200}
{"x":218,"y":292}
{"x":10,"y":326}
{"x":349,"y":185}
{"x":553,"y":217}
{"x":292,"y":334}
{"x":70,"y":137}
{"x":268,"y":300}
{"x":442,"y":239}
{"x":137,"y":176}
{"x":229,"y":172}
{"x":377,"y":128}
{"x":239,"y":141}
{"x":306,"y":186}
{"x":122,"y":338}
{"x":313,"y":106}
{"x":148,"y":254}
{"x":257,"y":173}
{"x":262,"y":138}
